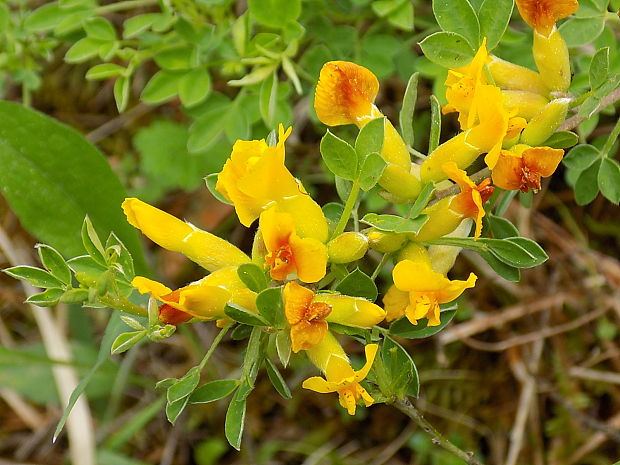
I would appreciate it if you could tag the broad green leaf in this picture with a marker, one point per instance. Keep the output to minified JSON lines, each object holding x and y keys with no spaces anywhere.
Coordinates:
{"x":370,"y":138}
{"x":561,"y":140}
{"x":339,"y":156}
{"x":269,"y":304}
{"x":275,"y":13}
{"x":35,"y":276}
{"x":401,"y":368}
{"x":268,"y":99}
{"x":100,"y":29}
{"x":283,"y":347}
{"x":104,"y":71}
{"x":599,"y":67}
{"x":586,"y":187}
{"x":582,"y":31}
{"x":235,"y":417}
{"x":371,"y":170}
{"x":509,"y":273}
{"x":82,"y":50}
{"x":194,"y":87}
{"x":44,"y":18}
{"x":113,"y":329}
{"x":458,"y":16}
{"x":121,"y":93}
{"x":245,"y":316}
{"x":126,"y":341}
{"x":161,"y":87}
{"x":435,"y":134}
{"x":59,"y":165}
{"x":532,"y":248}
{"x":174,"y":409}
{"x":252,"y":276}
{"x":609,"y":179}
{"x":358,"y":284}
{"x":581,"y":157}
{"x":447,"y":49}
{"x":393,"y":223}
{"x":402,"y":17}
{"x":47,"y":298}
{"x":213,"y":390}
{"x":407,"y":110}
{"x":123,"y":261}
{"x":277,"y":380}
{"x":403,"y":328}
{"x":184,"y":386}
{"x":136,"y":25}
{"x":494,"y":16}
{"x":501,"y":228}
{"x":589,"y":107}
{"x":241,"y":332}
{"x":422,"y":200}
{"x":92,"y":243}
{"x":54,"y":262}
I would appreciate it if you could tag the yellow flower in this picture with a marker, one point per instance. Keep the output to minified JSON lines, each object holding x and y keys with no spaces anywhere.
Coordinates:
{"x":470,"y":201}
{"x":418,"y":291}
{"x":523,"y":166}
{"x":343,"y":379}
{"x":351,"y":311}
{"x":542,"y":15}
{"x":507,"y":75}
{"x":307,"y":318}
{"x":463,"y":84}
{"x":255,"y":178}
{"x":287,"y":252}
{"x":203,"y":248}
{"x":203,"y":299}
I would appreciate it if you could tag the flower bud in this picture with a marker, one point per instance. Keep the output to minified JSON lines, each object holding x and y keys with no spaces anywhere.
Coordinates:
{"x":347,"y":247}
{"x":551,"y":57}
{"x":385,"y":242}
{"x":442,"y":220}
{"x":442,"y":257}
{"x":456,"y":150}
{"x":540,"y":128}
{"x":351,"y":311}
{"x":320,"y":354}
{"x":515,"y":77}
{"x":414,"y":252}
{"x":394,"y":149}
{"x":523,"y":103}
{"x":401,"y":182}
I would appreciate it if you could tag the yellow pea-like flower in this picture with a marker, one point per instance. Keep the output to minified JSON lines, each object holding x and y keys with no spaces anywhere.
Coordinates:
{"x":347,"y":247}
{"x":203,"y":248}
{"x":340,"y":377}
{"x":510,"y":76}
{"x":351,"y":311}
{"x":305,"y":316}
{"x":524,"y":103}
{"x":522,"y":167}
{"x":542,"y":15}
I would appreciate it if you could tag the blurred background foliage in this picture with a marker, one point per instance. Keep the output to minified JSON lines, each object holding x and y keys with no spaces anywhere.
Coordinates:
{"x":164,"y":88}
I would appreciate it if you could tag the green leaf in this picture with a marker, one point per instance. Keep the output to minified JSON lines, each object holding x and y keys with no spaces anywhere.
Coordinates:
{"x":494,"y":16}
{"x":59,"y":164}
{"x":100,"y":29}
{"x":241,"y":332}
{"x":245,"y":316}
{"x":126,"y":341}
{"x":370,"y":138}
{"x":211,"y":181}
{"x":44,"y":18}
{"x":54,"y":262}
{"x":235,"y":417}
{"x":435,"y":134}
{"x":275,"y":13}
{"x":174,"y":409}
{"x":75,"y":296}
{"x":581,"y":157}
{"x":46,"y":299}
{"x":339,"y":156}
{"x":136,"y":25}
{"x":407,"y":110}
{"x":447,"y":49}
{"x":114,"y":328}
{"x":561,"y":140}
{"x":35,"y":276}
{"x":161,"y":87}
{"x":582,"y":31}
{"x":92,"y":243}
{"x":277,"y":380}
{"x":269,"y":304}
{"x":422,"y":200}
{"x":194,"y":87}
{"x":121,"y":93}
{"x":213,"y":390}
{"x":402,"y":17}
{"x":401,"y":368}
{"x":501,"y":228}
{"x":586,"y":187}
{"x":268,"y":99}
{"x":252,"y":276}
{"x":393,"y":223}
{"x":104,"y":71}
{"x":599,"y":67}
{"x":283,"y":347}
{"x":509,"y":273}
{"x":184,"y":386}
{"x":609,"y":179}
{"x":532,"y":248}
{"x":458,"y":16}
{"x":372,"y":169}
{"x":123,"y":261}
{"x":403,"y":328}
{"x":358,"y":284}
{"x":82,"y":50}
{"x":589,"y":107}
{"x":176,"y":58}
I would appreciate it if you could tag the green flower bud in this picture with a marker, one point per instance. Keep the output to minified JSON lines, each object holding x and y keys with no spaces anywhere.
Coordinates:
{"x":540,"y":128}
{"x":400,"y":182}
{"x":347,"y":247}
{"x":385,"y":242}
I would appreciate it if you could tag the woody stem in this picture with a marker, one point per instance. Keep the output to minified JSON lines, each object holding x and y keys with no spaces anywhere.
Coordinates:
{"x":405,"y":406}
{"x":348,"y":208}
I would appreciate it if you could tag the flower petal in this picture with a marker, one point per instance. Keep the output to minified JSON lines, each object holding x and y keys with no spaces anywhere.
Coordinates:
{"x":543,"y":14}
{"x":542,"y":160}
{"x":296,"y":299}
{"x":507,"y":171}
{"x":371,"y":351}
{"x":310,"y":257}
{"x":395,"y":301}
{"x":317,"y":384}
{"x":455,"y":288}
{"x":276,"y":228}
{"x":307,"y":334}
{"x":148,"y":286}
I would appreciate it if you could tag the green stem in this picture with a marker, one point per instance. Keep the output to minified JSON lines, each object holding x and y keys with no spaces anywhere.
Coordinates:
{"x":348,"y":208}
{"x":613,"y":135}
{"x":123,"y":304}
{"x":128,"y":5}
{"x":408,"y":409}
{"x":380,"y":266}
{"x":214,"y":345}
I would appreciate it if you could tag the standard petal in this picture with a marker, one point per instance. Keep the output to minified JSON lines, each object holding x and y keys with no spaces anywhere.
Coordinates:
{"x":310,"y":257}
{"x":394,"y":302}
{"x":296,"y":300}
{"x":307,"y":334}
{"x":542,"y":160}
{"x":543,"y":14}
{"x":276,"y":228}
{"x":204,"y":301}
{"x":507,"y":171}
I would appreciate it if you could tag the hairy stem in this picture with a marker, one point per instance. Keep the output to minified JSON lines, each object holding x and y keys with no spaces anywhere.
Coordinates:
{"x":405,"y":406}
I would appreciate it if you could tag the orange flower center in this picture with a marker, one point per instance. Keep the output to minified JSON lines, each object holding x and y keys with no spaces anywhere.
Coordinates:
{"x":464,"y":203}
{"x":529,"y":180}
{"x":316,"y":311}
{"x":280,"y":262}
{"x":169,"y":315}
{"x":486,"y":189}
